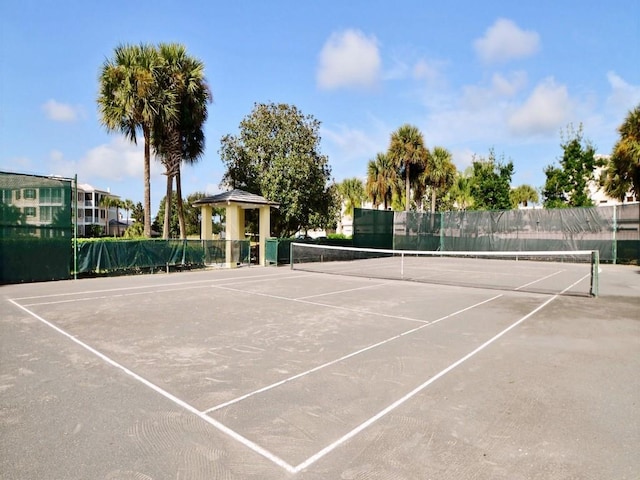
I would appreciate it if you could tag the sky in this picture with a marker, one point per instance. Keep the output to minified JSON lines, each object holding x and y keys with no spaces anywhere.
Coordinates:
{"x":506,"y":76}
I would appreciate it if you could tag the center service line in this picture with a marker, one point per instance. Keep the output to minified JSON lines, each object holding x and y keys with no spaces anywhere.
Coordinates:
{"x":397,"y":403}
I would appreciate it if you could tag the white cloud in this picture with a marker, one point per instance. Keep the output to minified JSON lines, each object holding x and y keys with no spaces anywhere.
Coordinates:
{"x":504,"y":41}
{"x":60,"y":112}
{"x":508,"y":86}
{"x":352,"y":143}
{"x":114,"y":161}
{"x":349,"y":59}
{"x":623,"y":96}
{"x":546,"y":110}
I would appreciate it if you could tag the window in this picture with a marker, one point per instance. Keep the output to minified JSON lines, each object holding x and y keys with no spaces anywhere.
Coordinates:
{"x":51,"y":195}
{"x":30,"y":211}
{"x":45,"y":214}
{"x":5,"y":196}
{"x":30,"y":193}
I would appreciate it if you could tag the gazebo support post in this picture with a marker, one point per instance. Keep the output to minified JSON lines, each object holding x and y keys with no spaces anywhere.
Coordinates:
{"x":265,"y":232}
{"x":234,"y":231}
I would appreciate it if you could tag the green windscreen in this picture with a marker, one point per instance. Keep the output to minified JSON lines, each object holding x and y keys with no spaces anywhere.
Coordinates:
{"x":36,"y":230}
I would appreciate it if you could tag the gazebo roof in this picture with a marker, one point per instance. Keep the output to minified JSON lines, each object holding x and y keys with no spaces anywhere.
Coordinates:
{"x":238,"y":197}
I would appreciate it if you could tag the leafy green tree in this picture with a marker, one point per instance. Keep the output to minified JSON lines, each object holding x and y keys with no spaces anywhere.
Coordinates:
{"x":352,"y":194}
{"x":440,"y":173}
{"x":135,"y":230}
{"x":382,"y":180}
{"x":178,"y":135}
{"x":192,"y":215}
{"x":566,"y":185}
{"x":129,"y":101}
{"x":277,"y":155}
{"x":491,"y":183}
{"x":622,"y":172}
{"x":174,"y":223}
{"x":407,"y":150}
{"x":522,"y":195}
{"x":137,"y":213}
{"x":93,"y":230}
{"x":11,"y":215}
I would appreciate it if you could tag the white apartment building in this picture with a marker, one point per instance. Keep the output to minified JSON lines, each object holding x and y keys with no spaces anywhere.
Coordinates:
{"x":91,"y":211}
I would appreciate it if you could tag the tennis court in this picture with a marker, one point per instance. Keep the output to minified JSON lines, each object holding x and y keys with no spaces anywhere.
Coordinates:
{"x":272,"y":373}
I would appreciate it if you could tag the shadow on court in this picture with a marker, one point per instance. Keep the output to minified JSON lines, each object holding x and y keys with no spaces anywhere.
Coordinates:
{"x":269,"y":373}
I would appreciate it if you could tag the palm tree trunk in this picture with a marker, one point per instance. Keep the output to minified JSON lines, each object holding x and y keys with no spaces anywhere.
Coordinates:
{"x":407,"y":187}
{"x":147,"y":181}
{"x":433,"y":200}
{"x":183,"y":230}
{"x":167,"y":206}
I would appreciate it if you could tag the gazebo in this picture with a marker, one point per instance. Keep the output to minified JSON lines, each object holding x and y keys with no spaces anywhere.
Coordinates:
{"x":236,"y":202}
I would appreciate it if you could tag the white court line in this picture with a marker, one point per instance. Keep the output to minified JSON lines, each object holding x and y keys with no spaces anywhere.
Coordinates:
{"x":257,"y":448}
{"x":149,"y":286}
{"x":318,"y":304}
{"x":158,"y":289}
{"x":102,"y":297}
{"x":539,"y":280}
{"x":223,"y":428}
{"x":337,"y":292}
{"x":345,"y":357}
{"x":314,"y":458}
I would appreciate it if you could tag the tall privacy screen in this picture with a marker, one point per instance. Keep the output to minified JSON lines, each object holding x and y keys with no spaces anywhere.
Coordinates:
{"x":36,"y":229}
{"x":612,"y":230}
{"x":551,"y":272}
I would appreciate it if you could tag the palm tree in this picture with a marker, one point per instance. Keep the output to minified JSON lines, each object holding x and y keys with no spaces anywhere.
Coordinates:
{"x":439,"y":174}
{"x":461,"y":191}
{"x":382,"y":178}
{"x":181,"y":138}
{"x":107,"y":202}
{"x":352,"y":193}
{"x":523,"y":194}
{"x":129,"y":101}
{"x":622,"y":174}
{"x":405,"y":150}
{"x":128,"y":205}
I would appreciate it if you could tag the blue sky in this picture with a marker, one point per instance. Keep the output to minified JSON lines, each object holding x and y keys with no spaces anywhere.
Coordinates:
{"x":473,"y":76}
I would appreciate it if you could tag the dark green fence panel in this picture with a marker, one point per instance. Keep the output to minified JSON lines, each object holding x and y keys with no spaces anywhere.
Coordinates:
{"x":372,"y":228}
{"x":36,"y":231}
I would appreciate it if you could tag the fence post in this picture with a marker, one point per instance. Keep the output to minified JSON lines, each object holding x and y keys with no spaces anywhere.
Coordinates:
{"x":614,"y":243}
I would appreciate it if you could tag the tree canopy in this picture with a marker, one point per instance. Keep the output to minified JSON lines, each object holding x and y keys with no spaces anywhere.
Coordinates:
{"x":491,"y":183}
{"x":277,"y":155}
{"x":439,"y":174}
{"x":522,"y":195}
{"x":129,"y":102}
{"x":160,"y":91}
{"x":567,"y":184}
{"x":408,"y":153}
{"x":352,"y":194}
{"x":622,"y":172}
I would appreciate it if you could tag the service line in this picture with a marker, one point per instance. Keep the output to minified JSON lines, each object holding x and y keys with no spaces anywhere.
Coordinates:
{"x":345,"y":357}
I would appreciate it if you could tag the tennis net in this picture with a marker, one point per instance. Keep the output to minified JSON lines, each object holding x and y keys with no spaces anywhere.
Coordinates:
{"x":550,"y":272}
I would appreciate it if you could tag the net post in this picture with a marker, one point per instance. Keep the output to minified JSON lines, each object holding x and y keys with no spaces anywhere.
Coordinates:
{"x":75,"y":226}
{"x":291,"y":245}
{"x":595,"y":270}
{"x":402,"y":265}
{"x":614,"y":243}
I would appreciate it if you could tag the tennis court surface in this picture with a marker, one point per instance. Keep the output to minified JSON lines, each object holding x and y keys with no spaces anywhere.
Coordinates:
{"x":272,"y":373}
